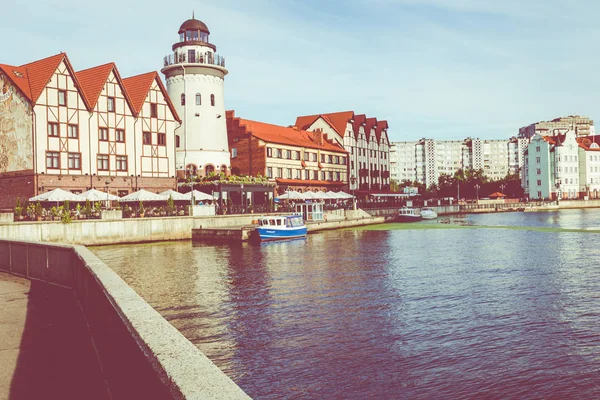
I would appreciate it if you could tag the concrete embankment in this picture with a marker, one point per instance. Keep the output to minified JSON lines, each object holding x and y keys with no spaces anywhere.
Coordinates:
{"x":141,"y":355}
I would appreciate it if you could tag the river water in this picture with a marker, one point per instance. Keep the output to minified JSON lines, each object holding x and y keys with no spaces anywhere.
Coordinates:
{"x":478,"y":306}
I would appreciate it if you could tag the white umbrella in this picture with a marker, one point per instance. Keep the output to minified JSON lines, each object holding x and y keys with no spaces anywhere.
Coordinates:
{"x":97,"y":195}
{"x":334,"y":195}
{"x":57,"y":195}
{"x":143,"y":195}
{"x":174,"y":195}
{"x":321,"y":195}
{"x":198,"y":195}
{"x":344,"y":195}
{"x":308,"y":196}
{"x":290,"y":195}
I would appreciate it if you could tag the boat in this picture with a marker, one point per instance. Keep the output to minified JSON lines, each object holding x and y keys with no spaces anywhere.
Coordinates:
{"x":281,"y":227}
{"x":408,"y":214}
{"x":428,"y":213}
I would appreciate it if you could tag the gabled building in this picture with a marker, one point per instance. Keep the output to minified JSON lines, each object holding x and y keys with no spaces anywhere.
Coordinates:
{"x":81,"y":130}
{"x":295,"y":159}
{"x":365,"y":139}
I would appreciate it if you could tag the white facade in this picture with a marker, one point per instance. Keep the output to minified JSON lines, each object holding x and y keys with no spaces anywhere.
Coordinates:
{"x":195,"y":78}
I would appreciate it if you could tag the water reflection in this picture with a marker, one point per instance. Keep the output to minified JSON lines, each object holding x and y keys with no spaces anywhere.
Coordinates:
{"x":412,"y":313}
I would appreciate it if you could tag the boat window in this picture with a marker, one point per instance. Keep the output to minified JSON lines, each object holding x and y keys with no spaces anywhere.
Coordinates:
{"x":288,"y":223}
{"x":279,"y":222}
{"x":272,"y":222}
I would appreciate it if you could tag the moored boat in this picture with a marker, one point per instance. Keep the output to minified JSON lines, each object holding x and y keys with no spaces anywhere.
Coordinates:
{"x":408,"y":214}
{"x":281,"y":227}
{"x":428,"y":213}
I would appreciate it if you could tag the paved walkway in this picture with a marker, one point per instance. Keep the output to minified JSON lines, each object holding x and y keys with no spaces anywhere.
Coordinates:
{"x":45,"y":348}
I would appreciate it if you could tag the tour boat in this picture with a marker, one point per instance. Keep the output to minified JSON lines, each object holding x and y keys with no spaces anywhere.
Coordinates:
{"x":281,"y":227}
{"x":428,"y":213}
{"x":408,"y":214}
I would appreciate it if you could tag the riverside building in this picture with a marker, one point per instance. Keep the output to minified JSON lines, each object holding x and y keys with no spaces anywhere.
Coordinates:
{"x":195,"y":78}
{"x":365,"y":139}
{"x":295,"y":159}
{"x":562,"y":166}
{"x":83,"y":130}
{"x":582,"y":126}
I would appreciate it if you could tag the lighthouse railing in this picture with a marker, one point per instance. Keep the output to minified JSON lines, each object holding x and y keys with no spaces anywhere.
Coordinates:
{"x":207,"y":58}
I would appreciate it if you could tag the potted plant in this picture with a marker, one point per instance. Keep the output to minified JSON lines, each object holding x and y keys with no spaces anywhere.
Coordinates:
{"x":54,"y":213}
{"x":170,"y":206}
{"x":39,"y":211}
{"x":78,"y":211}
{"x":141,"y":209}
{"x":87,"y":211}
{"x":31,"y":211}
{"x":97,"y":208}
{"x":18,"y":209}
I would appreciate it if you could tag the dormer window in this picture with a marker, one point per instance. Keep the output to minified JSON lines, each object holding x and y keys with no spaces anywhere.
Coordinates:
{"x":110,"y":104}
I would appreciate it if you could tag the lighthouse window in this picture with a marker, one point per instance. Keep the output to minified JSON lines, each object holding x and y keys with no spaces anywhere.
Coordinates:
{"x":198,"y":99}
{"x":212,"y":100}
{"x":183,"y":99}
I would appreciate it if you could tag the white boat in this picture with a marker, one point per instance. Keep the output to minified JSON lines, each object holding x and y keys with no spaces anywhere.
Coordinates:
{"x":408,"y":214}
{"x":281,"y":227}
{"x":428,"y":213}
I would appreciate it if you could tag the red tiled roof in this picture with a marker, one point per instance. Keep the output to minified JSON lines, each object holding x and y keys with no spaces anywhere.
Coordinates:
{"x":371,"y":123}
{"x":381,"y":125}
{"x":40,"y":72}
{"x":138,"y":87}
{"x":290,"y":136}
{"x":586,"y":141}
{"x":92,"y":81}
{"x":337,"y":121}
{"x":308,"y":182}
{"x":20,"y":79}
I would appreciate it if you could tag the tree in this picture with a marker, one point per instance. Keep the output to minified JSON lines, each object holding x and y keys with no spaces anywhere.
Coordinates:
{"x":394,"y":187}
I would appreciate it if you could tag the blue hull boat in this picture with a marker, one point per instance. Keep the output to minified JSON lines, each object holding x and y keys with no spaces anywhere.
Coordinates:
{"x":281,"y":227}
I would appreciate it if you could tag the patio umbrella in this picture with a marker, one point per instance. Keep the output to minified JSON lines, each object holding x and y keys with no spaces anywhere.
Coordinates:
{"x":198,"y":195}
{"x":334,"y":195}
{"x":290,"y":195}
{"x":143,"y":195}
{"x":308,"y":196}
{"x":174,"y":195}
{"x":496,"y":195}
{"x":57,"y":195}
{"x":344,"y":195}
{"x":321,"y":195}
{"x":97,"y":195}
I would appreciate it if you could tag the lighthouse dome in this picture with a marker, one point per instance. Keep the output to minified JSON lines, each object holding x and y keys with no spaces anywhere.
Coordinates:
{"x":193,"y":25}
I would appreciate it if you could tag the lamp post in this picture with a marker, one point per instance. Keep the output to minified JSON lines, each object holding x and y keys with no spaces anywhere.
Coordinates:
{"x":558,"y":193}
{"x":477,"y":186}
{"x":353,"y":182}
{"x":242,"y":198}
{"x":106,"y":187}
{"x":502,"y":186}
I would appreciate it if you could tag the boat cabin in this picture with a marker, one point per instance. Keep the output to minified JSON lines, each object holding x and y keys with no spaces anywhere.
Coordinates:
{"x":288,"y":221}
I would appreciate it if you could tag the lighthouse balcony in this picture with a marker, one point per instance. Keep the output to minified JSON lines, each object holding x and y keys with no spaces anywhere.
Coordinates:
{"x":195,"y":58}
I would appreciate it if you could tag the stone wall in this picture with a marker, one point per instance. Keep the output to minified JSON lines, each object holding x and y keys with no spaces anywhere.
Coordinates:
{"x":142,"y":355}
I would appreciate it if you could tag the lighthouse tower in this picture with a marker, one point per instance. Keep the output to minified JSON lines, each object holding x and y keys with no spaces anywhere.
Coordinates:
{"x":195,"y":77}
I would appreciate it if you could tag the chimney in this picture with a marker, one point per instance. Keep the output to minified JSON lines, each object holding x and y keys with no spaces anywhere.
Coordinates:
{"x":318,"y":136}
{"x":230,"y":114}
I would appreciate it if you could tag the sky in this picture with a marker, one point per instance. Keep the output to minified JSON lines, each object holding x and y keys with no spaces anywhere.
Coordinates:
{"x":440,"y":69}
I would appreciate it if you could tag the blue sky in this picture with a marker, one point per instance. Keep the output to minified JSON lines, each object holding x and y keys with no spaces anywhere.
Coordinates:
{"x":442,"y":69}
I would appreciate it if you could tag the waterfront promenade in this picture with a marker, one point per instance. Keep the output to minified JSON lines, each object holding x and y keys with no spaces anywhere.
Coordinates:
{"x":46,"y":350}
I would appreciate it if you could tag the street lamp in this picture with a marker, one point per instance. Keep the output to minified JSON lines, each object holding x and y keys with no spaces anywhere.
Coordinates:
{"x":477,"y":186}
{"x":106,"y":187}
{"x":558,"y":193}
{"x":502,"y":186}
{"x":353,"y":182}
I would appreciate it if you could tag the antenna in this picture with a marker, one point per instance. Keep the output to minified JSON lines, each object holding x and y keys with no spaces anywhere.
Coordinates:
{"x":193,"y":14}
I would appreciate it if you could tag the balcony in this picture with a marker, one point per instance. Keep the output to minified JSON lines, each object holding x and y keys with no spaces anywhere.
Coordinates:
{"x":363,"y":172}
{"x":196,"y":58}
{"x":374,"y":173}
{"x":385,"y":174}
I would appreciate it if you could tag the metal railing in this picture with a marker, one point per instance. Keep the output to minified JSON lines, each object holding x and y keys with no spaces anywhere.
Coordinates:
{"x":207,"y":58}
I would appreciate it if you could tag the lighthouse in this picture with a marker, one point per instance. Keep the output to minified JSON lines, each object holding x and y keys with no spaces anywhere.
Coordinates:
{"x":195,"y":78}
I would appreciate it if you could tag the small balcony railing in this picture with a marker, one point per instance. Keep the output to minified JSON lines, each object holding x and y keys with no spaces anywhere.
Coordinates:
{"x":195,"y":58}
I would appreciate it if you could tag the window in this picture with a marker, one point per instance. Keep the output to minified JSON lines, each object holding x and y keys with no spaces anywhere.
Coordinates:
{"x":103,"y":134}
{"x":314,"y":157}
{"x":53,"y":129}
{"x":297,"y":155}
{"x":539,"y":182}
{"x":162,"y":139}
{"x":322,"y":158}
{"x":329,"y":176}
{"x":307,"y":174}
{"x":343,"y":160}
{"x":73,"y":131}
{"x":102,"y":162}
{"x":120,"y":135}
{"x":198,"y":99}
{"x":269,"y":172}
{"x":338,"y":176}
{"x":288,"y":154}
{"x":316,"y":175}
{"x":329,"y":160}
{"x":537,"y":149}
{"x":153,"y":110}
{"x":183,"y":99}
{"x":322,"y":175}
{"x":212,"y":100}
{"x":177,"y":141}
{"x":269,"y":152}
{"x":298,"y":174}
{"x":62,"y":97}
{"x":537,"y":160}
{"x":279,"y":172}
{"x":234,"y":152}
{"x":538,"y":171}
{"x":279,"y":153}
{"x":306,"y":156}
{"x":121,"y":163}
{"x":110,"y":105}
{"x":289,"y":173}
{"x":53,"y":160}
{"x":147,"y":138}
{"x":74,"y":160}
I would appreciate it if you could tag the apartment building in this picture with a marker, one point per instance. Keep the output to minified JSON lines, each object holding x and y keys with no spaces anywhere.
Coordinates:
{"x":83,"y":130}
{"x":582,"y":126}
